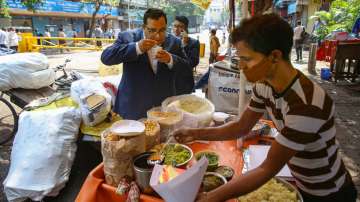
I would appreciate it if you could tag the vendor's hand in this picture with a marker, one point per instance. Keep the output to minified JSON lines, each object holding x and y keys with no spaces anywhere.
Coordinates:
{"x":146,"y":44}
{"x":163,"y":56}
{"x":202,"y":197}
{"x":185,"y":135}
{"x":205,"y":197}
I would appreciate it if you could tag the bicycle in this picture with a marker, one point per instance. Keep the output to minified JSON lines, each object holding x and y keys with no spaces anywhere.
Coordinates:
{"x":64,"y":82}
{"x":8,"y":120}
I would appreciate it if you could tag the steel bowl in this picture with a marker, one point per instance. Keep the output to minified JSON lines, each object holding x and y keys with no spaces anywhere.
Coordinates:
{"x":191,"y":154}
{"x":291,"y":188}
{"x":217,"y":175}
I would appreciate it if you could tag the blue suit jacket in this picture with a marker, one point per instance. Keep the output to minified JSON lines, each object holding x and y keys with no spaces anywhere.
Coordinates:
{"x":184,"y":81}
{"x":140,"y":89}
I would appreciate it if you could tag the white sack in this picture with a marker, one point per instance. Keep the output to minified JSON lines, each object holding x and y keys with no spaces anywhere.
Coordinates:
{"x":31,"y":62}
{"x":28,"y":71}
{"x":42,"y":154}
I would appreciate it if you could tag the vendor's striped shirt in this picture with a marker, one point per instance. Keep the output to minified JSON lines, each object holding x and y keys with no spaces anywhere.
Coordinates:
{"x":304,"y":116}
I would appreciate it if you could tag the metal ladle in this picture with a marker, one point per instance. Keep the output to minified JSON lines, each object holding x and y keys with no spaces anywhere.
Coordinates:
{"x":158,"y":157}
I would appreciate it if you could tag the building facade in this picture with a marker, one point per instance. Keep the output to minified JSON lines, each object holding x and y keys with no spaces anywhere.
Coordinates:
{"x":69,"y":15}
{"x":295,"y":10}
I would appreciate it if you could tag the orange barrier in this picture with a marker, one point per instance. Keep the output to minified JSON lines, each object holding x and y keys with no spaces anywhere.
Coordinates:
{"x":94,"y":188}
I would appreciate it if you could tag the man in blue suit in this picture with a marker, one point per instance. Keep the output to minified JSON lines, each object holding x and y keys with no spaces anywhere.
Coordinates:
{"x":184,"y":81}
{"x":150,"y":58}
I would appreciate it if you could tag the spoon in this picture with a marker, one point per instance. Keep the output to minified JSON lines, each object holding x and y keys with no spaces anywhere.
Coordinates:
{"x":158,"y":157}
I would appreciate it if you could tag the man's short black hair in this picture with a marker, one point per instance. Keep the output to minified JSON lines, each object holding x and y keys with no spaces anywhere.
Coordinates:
{"x":213,"y":31}
{"x":154,"y":13}
{"x":265,"y":33}
{"x":299,"y":22}
{"x":183,"y":20}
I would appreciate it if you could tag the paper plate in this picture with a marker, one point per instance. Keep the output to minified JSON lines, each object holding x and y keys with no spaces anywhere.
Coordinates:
{"x":127,"y":128}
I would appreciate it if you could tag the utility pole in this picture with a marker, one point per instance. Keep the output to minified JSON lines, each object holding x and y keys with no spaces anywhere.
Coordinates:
{"x":244,"y":95}
{"x":129,"y":2}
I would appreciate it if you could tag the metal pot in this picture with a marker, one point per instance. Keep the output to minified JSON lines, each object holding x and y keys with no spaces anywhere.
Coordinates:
{"x":142,"y":172}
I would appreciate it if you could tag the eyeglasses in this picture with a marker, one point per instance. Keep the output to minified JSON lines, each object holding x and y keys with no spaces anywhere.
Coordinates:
{"x":177,"y":26}
{"x":153,"y":31}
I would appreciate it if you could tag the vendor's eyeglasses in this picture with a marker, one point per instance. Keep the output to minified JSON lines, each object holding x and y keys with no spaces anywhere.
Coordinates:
{"x":153,"y":31}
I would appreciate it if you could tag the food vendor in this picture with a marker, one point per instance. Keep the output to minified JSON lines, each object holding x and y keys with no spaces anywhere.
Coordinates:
{"x":301,"y":110}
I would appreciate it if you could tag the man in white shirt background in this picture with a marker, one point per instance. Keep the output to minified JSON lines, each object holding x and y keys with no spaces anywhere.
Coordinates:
{"x":298,"y":39}
{"x":3,"y":38}
{"x":13,"y":39}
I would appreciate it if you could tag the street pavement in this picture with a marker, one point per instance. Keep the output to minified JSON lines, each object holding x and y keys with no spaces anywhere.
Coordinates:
{"x":346,"y":96}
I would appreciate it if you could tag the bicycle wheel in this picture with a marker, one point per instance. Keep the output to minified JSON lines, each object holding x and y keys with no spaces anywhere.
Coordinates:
{"x":8,"y":121}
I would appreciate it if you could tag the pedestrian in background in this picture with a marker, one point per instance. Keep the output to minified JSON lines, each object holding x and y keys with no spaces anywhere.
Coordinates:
{"x":74,"y":35}
{"x":47,"y":33}
{"x":298,"y":39}
{"x":18,"y":32}
{"x":61,"y":41}
{"x":13,"y":39}
{"x":3,"y":38}
{"x":223,"y":38}
{"x":356,"y":27}
{"x":38,"y":34}
{"x":184,"y":80}
{"x":214,"y":46}
{"x":98,"y":35}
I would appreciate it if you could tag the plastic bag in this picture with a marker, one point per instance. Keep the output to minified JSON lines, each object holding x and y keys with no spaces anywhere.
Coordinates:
{"x":42,"y":153}
{"x":203,"y":107}
{"x":85,"y":89}
{"x":28,"y":70}
{"x":111,"y":84}
{"x":224,"y":89}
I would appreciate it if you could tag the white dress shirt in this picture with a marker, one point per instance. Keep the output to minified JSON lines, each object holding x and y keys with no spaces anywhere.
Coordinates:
{"x":3,"y":37}
{"x":152,"y":59}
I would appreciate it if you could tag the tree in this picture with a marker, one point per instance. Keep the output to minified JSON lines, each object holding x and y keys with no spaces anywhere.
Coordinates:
{"x":260,"y":6}
{"x":4,"y":10}
{"x":32,"y":4}
{"x":340,"y":17}
{"x":186,"y":9}
{"x":97,"y":6}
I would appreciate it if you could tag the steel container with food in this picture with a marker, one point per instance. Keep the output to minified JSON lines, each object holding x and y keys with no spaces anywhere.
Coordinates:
{"x":142,"y":172}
